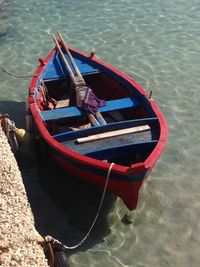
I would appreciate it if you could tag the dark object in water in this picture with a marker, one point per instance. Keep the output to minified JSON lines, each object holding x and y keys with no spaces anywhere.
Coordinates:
{"x":60,"y":259}
{"x":56,"y":257}
{"x":2,"y":33}
{"x":127,"y":107}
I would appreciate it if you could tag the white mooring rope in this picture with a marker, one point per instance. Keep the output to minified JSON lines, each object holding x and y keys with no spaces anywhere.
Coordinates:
{"x":58,"y":244}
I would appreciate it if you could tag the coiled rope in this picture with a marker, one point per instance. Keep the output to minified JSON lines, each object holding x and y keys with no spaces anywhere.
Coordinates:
{"x":58,"y":245}
{"x":8,"y":126}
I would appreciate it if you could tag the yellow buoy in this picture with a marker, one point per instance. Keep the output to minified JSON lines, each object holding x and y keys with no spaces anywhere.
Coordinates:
{"x":22,"y":135}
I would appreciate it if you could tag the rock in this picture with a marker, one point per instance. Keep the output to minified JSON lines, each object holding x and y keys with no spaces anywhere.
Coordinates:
{"x":19,"y":239}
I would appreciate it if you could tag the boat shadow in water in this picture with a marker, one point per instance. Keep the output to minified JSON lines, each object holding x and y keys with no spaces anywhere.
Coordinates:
{"x":64,"y":206}
{"x":79,"y":202}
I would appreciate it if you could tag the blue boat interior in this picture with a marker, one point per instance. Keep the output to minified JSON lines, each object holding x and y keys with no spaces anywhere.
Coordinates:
{"x":125,"y":108}
{"x":57,"y":70}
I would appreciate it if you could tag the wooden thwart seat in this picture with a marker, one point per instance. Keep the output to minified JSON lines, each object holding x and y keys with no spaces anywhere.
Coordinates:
{"x":115,"y":138}
{"x":73,"y":111}
{"x":100,"y":136}
{"x":117,"y":134}
{"x":73,"y":135}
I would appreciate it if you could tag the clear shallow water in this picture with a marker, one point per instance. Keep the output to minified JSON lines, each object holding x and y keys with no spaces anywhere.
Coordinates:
{"x":158,"y":44}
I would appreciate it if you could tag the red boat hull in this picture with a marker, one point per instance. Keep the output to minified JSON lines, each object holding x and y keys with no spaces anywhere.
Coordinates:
{"x":125,"y":186}
{"x":125,"y":181}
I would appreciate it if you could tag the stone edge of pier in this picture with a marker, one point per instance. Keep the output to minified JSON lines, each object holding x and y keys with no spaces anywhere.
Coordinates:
{"x":18,"y":236}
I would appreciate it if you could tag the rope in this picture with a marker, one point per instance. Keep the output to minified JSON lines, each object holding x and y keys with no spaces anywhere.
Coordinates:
{"x":22,"y":76}
{"x":61,"y":246}
{"x":15,"y":76}
{"x":50,"y":239}
{"x":8,"y":126}
{"x":26,"y":77}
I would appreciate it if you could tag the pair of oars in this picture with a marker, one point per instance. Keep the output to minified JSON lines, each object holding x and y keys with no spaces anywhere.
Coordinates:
{"x":77,"y":80}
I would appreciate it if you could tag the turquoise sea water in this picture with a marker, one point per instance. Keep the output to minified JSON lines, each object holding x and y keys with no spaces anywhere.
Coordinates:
{"x":158,"y":44}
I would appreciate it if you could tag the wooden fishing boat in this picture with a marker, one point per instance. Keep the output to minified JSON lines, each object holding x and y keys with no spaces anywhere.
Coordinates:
{"x":132,"y":135}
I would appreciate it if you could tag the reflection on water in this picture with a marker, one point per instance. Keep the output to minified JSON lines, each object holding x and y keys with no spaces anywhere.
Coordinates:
{"x":157,"y":43}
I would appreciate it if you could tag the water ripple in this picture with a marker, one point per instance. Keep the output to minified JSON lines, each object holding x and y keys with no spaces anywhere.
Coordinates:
{"x":157,"y":43}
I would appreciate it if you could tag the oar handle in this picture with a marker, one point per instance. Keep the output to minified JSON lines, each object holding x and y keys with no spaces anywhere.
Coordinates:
{"x":69,"y":55}
{"x":92,"y":119}
{"x":64,"y":59}
{"x":100,"y":118}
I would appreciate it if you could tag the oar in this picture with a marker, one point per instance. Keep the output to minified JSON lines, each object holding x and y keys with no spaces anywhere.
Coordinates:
{"x":64,"y":59}
{"x":98,"y":115}
{"x":91,"y":117}
{"x":70,"y":56}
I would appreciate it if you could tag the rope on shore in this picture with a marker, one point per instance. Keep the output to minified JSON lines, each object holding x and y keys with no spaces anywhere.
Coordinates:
{"x":58,"y":245}
{"x":8,"y":126}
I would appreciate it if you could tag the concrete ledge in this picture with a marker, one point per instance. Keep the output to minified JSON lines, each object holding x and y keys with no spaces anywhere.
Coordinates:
{"x":18,"y":237}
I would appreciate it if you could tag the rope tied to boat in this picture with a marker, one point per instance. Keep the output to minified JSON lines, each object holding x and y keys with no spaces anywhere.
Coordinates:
{"x":56,"y":244}
{"x":8,"y":126}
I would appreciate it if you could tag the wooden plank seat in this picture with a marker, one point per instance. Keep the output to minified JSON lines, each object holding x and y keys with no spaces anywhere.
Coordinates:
{"x":110,"y":134}
{"x":72,"y":135}
{"x":144,"y":135}
{"x":73,"y":111}
{"x":110,"y":142}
